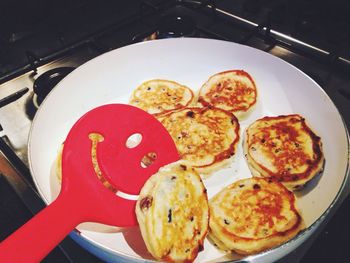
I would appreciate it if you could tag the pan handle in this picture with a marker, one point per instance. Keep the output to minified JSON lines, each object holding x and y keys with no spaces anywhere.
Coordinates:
{"x":36,"y":238}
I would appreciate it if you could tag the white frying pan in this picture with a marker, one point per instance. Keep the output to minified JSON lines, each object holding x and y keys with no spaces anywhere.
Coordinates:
{"x":282,"y":89}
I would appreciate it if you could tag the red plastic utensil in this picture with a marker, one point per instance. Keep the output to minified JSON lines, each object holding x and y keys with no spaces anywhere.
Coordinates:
{"x":83,"y":198}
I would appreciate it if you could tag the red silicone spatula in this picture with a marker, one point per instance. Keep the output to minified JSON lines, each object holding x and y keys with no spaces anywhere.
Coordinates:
{"x":83,"y":198}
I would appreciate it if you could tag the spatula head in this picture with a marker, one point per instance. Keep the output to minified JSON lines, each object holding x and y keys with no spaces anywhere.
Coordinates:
{"x":126,"y":166}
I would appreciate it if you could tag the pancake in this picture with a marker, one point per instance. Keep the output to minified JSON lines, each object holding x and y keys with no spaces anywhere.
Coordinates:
{"x":173,"y":213}
{"x":158,"y":96}
{"x":232,"y":90}
{"x":252,"y":215}
{"x":206,"y":137}
{"x":283,"y":148}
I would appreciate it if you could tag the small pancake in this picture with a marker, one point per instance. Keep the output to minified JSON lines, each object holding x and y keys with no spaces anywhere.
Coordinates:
{"x":173,"y":213}
{"x":158,"y":96}
{"x":252,"y":215}
{"x":206,"y":137}
{"x":284,"y":148}
{"x":232,"y":90}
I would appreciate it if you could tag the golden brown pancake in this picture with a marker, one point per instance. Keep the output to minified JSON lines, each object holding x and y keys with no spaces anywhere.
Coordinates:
{"x":252,"y":215}
{"x":283,"y":148}
{"x":206,"y":137}
{"x":158,"y":96}
{"x":232,"y":90}
{"x":173,"y":213}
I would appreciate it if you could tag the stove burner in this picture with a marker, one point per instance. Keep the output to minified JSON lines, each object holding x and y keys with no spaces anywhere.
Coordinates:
{"x":47,"y":81}
{"x":175,"y":26}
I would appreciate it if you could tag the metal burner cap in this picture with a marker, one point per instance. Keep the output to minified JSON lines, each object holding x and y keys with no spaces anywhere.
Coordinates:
{"x":48,"y":80}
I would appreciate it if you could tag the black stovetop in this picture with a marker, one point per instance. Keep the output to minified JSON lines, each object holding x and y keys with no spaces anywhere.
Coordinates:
{"x":312,"y":35}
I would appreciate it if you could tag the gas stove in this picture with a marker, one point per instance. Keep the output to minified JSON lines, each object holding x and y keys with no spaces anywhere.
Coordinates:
{"x":35,"y":56}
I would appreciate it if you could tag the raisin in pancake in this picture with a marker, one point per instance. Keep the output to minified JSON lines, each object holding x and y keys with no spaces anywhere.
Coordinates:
{"x":284,"y":148}
{"x":173,"y":213}
{"x":252,"y":215}
{"x":232,"y":90}
{"x":206,"y":137}
{"x":158,"y":96}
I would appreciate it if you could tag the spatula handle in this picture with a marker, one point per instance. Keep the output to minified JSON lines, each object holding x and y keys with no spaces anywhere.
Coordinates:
{"x":35,"y":239}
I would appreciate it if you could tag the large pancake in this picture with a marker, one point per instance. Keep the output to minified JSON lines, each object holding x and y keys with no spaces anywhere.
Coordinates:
{"x":206,"y":137}
{"x":284,"y":148}
{"x":252,"y":215}
{"x":173,"y":213}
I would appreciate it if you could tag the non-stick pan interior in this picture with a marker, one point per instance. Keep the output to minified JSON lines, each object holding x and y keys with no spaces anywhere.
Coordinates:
{"x":282,"y":89}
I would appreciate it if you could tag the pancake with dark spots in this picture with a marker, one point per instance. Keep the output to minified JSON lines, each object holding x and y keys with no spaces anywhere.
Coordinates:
{"x":232,"y":90}
{"x":173,"y":213}
{"x":206,"y":137}
{"x":252,"y":215}
{"x":283,"y":148}
{"x":158,"y":96}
